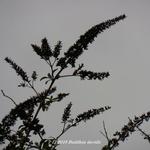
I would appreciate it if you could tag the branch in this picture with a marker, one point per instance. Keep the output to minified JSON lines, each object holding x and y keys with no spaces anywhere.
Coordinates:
{"x":146,"y":135}
{"x":139,"y":129}
{"x":82,"y":117}
{"x":8,"y":97}
{"x":127,"y":130}
{"x":40,"y":106}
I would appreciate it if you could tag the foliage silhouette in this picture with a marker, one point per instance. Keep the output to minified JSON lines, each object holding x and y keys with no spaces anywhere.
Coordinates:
{"x":126,"y":131}
{"x":28,"y":110}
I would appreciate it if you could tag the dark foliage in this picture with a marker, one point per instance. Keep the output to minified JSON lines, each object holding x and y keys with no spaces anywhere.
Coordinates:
{"x":82,"y":44}
{"x":27,"y":111}
{"x":61,"y":96}
{"x":57,"y":49}
{"x":84,"y":74}
{"x":127,"y":130}
{"x":91,"y":113}
{"x":67,"y":111}
{"x":24,"y":111}
{"x":18,"y":69}
{"x":44,"y":51}
{"x":34,"y":75}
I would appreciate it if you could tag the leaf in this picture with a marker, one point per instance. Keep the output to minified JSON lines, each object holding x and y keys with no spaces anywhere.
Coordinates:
{"x":43,"y":78}
{"x":34,"y":75}
{"x":49,"y":76}
{"x":47,"y":81}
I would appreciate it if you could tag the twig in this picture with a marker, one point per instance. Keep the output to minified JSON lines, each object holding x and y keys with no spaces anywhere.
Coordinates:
{"x":65,"y":129}
{"x":63,"y":76}
{"x":40,"y":136}
{"x":106,"y":134}
{"x":103,"y":134}
{"x":139,"y":129}
{"x":54,"y":62}
{"x":146,"y":135}
{"x":8,"y":97}
{"x":32,"y":87}
{"x":51,"y":66}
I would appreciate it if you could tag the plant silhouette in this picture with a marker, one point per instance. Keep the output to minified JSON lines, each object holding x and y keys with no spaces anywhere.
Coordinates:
{"x":28,"y":110}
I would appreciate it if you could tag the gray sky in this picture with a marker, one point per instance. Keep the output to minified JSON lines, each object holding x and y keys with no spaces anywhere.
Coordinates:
{"x":122,"y":50}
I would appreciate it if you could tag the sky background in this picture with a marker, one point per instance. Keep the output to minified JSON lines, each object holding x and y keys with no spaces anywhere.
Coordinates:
{"x":123,"y":50}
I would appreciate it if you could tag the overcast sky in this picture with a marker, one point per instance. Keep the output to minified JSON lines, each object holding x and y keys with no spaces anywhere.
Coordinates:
{"x":123,"y":50}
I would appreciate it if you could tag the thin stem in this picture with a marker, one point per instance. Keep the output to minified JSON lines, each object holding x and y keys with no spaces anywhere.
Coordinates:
{"x":40,"y":136}
{"x":46,"y":61}
{"x":54,"y":62}
{"x":32,"y":87}
{"x":106,"y":134}
{"x":40,"y":106}
{"x":64,"y":126}
{"x":103,"y":134}
{"x":69,"y":75}
{"x":32,"y":146}
{"x":65,"y":129}
{"x":32,"y":83}
{"x":146,"y":135}
{"x":8,"y":97}
{"x":51,"y":66}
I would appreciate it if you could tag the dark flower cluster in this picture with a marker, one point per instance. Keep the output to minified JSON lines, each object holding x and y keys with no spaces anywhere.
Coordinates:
{"x":84,"y":74}
{"x":82,"y":44}
{"x":57,"y":49}
{"x":34,"y":75}
{"x":90,"y":114}
{"x":45,"y":51}
{"x":18,"y":69}
{"x":33,"y":126}
{"x":62,"y":62}
{"x":127,"y":130}
{"x":61,"y":96}
{"x":17,"y":140}
{"x":48,"y":101}
{"x":24,"y":111}
{"x":66,"y":113}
